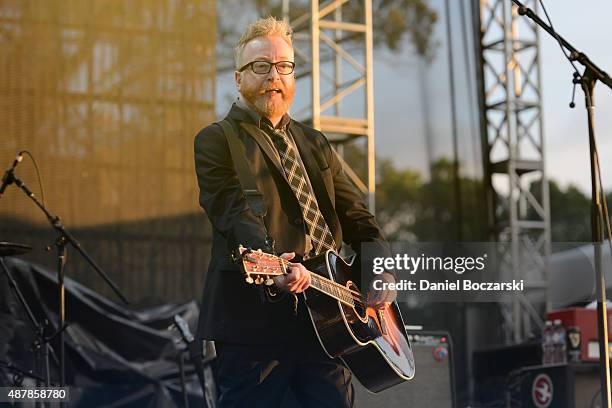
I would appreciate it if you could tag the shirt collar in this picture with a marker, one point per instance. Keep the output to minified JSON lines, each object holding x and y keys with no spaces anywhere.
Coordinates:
{"x":261,"y":121}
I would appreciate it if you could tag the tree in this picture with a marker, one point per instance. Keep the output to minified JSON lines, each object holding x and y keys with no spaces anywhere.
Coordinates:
{"x":398,"y":201}
{"x":393,"y":22}
{"x":570,"y":211}
{"x":442,"y":217}
{"x":570,"y":214}
{"x":410,"y":209}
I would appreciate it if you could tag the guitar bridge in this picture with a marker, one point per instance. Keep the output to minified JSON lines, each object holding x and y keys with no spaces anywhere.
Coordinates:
{"x":381,"y":321}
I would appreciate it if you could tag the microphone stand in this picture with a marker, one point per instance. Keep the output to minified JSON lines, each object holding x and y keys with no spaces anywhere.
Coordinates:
{"x":63,"y":239}
{"x":41,"y":343}
{"x":592,"y":74}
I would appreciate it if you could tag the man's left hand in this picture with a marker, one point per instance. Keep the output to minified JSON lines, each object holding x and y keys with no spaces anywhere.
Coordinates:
{"x":296,"y":280}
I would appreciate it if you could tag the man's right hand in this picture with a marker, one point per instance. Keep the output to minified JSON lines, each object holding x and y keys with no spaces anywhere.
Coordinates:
{"x":297,"y":279}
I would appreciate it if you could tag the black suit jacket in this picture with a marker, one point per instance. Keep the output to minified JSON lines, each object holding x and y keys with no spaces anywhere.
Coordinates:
{"x":232,"y":310}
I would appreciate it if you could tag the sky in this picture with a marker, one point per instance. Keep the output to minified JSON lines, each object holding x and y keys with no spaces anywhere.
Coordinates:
{"x":589,"y":29}
{"x":400,"y":80}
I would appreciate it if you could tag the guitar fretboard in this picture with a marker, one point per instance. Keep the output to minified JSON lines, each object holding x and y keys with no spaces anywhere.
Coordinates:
{"x":259,"y":266}
{"x":331,"y":288}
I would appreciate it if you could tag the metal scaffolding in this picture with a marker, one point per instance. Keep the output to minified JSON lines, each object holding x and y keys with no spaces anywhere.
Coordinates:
{"x":513,"y":154}
{"x":339,"y":66}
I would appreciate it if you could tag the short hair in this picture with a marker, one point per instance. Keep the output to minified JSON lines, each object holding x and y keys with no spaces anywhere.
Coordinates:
{"x":261,"y":28}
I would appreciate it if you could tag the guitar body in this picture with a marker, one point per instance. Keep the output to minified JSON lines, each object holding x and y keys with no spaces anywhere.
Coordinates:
{"x":372,"y":343}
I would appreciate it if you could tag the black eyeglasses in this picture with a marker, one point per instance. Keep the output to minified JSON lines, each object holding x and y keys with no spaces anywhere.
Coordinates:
{"x":264,"y":67}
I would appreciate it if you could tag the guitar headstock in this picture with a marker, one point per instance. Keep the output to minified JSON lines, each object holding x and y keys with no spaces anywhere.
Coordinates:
{"x":260,"y":267}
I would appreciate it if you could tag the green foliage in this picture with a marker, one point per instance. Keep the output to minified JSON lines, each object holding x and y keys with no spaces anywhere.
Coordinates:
{"x":397,"y":201}
{"x":570,"y":211}
{"x":395,"y":19}
{"x":409,"y":208}
{"x":446,"y":207}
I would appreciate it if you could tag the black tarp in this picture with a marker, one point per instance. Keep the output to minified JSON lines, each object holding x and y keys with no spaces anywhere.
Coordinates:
{"x":115,"y":356}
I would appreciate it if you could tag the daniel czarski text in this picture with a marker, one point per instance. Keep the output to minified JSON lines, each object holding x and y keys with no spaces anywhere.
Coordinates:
{"x":458,"y":265}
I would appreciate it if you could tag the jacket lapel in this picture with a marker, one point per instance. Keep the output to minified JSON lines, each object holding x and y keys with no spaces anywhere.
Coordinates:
{"x":246,"y":123}
{"x":263,"y":141}
{"x":308,"y":154}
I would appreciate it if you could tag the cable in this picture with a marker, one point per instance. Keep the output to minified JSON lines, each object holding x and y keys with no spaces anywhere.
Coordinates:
{"x":577,"y":75}
{"x":604,"y":200}
{"x":606,"y":227}
{"x":454,"y":131}
{"x":557,"y":38}
{"x":606,"y":216}
{"x":40,"y":183}
{"x":475,"y":135}
{"x":591,"y":405}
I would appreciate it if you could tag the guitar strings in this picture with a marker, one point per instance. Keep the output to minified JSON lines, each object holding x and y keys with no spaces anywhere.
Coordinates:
{"x":355,"y":295}
{"x":324,"y":279}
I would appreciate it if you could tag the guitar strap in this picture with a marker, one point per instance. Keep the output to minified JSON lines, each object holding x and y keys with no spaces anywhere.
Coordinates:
{"x":252,"y":194}
{"x":245,"y":175}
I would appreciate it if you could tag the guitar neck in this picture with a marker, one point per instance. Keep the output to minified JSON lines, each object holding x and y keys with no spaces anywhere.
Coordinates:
{"x":333,"y":289}
{"x":260,"y":267}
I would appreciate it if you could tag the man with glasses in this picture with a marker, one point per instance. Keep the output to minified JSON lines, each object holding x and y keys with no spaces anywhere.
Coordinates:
{"x":264,"y":339}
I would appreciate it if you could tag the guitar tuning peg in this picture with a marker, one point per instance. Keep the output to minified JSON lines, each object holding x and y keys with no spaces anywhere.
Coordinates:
{"x":269,"y":282}
{"x":249,"y":279}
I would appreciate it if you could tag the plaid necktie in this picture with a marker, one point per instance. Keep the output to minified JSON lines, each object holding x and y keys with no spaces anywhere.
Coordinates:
{"x":317,"y":228}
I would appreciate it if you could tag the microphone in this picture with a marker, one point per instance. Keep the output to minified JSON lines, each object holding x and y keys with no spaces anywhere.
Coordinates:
{"x":8,"y":174}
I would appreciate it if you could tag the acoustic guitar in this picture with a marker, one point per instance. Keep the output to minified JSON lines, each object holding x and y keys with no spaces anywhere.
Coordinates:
{"x":372,"y":342}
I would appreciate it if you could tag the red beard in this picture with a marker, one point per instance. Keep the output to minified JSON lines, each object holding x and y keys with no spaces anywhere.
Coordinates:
{"x":268,"y":104}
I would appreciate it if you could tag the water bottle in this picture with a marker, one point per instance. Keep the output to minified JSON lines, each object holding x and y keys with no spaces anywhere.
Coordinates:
{"x":547,"y":344}
{"x":559,"y":340}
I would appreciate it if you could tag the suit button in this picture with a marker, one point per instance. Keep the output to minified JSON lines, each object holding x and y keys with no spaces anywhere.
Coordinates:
{"x":298,"y":221}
